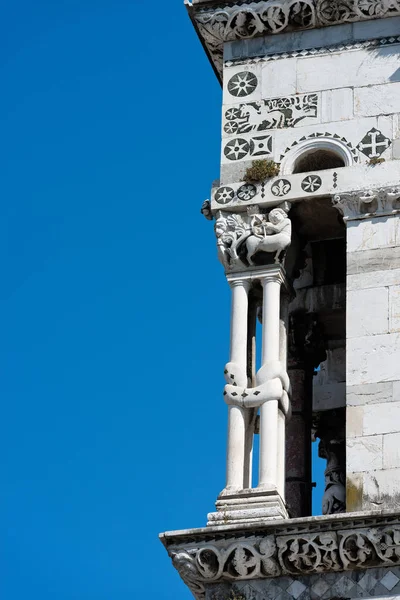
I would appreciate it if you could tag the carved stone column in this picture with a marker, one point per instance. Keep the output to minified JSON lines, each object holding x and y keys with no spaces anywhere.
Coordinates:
{"x":268,"y":471}
{"x":238,"y":360}
{"x":269,"y":393}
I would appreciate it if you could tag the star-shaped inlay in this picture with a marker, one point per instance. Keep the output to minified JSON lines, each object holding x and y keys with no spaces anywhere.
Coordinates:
{"x":232,"y":113}
{"x":231,"y":127}
{"x":236,"y":149}
{"x":311,"y":183}
{"x":242,"y":84}
{"x":224,"y":195}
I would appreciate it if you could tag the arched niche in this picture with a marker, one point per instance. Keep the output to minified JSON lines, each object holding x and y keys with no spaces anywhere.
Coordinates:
{"x":317,"y":155}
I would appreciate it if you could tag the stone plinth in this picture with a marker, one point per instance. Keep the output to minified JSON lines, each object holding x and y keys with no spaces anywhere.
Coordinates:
{"x":353,"y":555}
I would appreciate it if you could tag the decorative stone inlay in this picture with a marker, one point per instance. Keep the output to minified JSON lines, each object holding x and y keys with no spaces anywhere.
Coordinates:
{"x":246,"y":192}
{"x":236,"y":149}
{"x":275,"y":113}
{"x":368,"y":203}
{"x":242,"y":84}
{"x":322,"y":135}
{"x":228,"y":22}
{"x":293,"y":549}
{"x":224,"y":195}
{"x":390,"y":580}
{"x":311,"y":183}
{"x":281,"y":187}
{"x":374,"y":143}
{"x":239,"y":148}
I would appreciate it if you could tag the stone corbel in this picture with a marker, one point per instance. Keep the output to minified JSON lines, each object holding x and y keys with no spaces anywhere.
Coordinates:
{"x":365,"y":204}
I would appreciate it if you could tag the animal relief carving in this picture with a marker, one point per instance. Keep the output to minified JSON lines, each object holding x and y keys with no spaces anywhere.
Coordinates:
{"x":276,"y":113}
{"x":241,"y":238}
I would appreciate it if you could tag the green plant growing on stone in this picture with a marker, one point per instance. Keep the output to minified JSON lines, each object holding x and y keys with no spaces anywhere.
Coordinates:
{"x":376,"y":160}
{"x":261,"y":170}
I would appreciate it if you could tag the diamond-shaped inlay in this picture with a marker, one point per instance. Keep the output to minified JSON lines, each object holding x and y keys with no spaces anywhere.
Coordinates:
{"x":248,"y":592}
{"x":373,"y":143}
{"x":367,"y":582}
{"x":320,"y":587}
{"x":389,"y":580}
{"x":295,"y":589}
{"x":342,"y":586}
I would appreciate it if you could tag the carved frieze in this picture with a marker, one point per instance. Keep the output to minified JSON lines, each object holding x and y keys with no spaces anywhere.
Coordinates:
{"x":368,"y":203}
{"x":264,"y":555}
{"x":229,"y":22}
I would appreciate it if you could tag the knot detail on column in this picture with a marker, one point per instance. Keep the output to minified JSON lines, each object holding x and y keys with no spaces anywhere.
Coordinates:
{"x":273,"y":384}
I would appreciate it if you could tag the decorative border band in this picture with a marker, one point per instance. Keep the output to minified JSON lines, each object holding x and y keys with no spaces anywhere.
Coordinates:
{"x":229,"y":22}
{"x":373,"y":543}
{"x":375,"y":43}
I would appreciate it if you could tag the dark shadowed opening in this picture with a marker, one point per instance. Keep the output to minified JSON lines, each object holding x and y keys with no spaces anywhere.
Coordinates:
{"x":318,"y":160}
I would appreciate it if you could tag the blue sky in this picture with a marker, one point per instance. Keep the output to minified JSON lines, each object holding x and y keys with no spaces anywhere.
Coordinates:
{"x":115,"y":309}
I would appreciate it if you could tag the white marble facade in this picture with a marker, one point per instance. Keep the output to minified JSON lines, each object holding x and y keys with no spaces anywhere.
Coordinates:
{"x":273,"y":102}
{"x":334,"y":89}
{"x":325,"y":84}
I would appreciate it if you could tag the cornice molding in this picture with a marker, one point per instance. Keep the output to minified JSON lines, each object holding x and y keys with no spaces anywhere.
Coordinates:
{"x":221,"y":22}
{"x":322,"y":547}
{"x":367,"y":204}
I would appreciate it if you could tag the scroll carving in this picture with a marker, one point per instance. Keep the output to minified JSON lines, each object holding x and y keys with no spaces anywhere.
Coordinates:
{"x":230,"y":22}
{"x":261,"y":557}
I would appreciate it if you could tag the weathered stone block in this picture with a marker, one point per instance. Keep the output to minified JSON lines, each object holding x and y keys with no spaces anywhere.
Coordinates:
{"x":329,"y":396}
{"x":354,"y":422}
{"x":381,"y":489}
{"x":371,"y":393}
{"x":381,"y":418}
{"x":374,"y":233}
{"x":394,"y":309}
{"x":273,"y":84}
{"x":337,"y":105}
{"x":396,"y":391}
{"x":375,"y":29}
{"x":364,"y":453}
{"x":351,"y":69}
{"x":382,"y":259}
{"x":369,"y":101}
{"x":373,"y":279}
{"x":391,"y":451}
{"x":367,"y":312}
{"x":396,"y":148}
{"x":373,"y":358}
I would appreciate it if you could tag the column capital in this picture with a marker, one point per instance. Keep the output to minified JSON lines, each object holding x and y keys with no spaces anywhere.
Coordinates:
{"x":368,"y":203}
{"x":261,"y":274}
{"x":239,"y":282}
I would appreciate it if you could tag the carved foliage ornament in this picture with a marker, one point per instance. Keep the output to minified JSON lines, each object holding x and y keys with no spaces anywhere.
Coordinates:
{"x":295,"y":554}
{"x":239,"y":21}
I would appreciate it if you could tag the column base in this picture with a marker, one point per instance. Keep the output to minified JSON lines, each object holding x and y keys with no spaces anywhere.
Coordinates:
{"x":247,"y":506}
